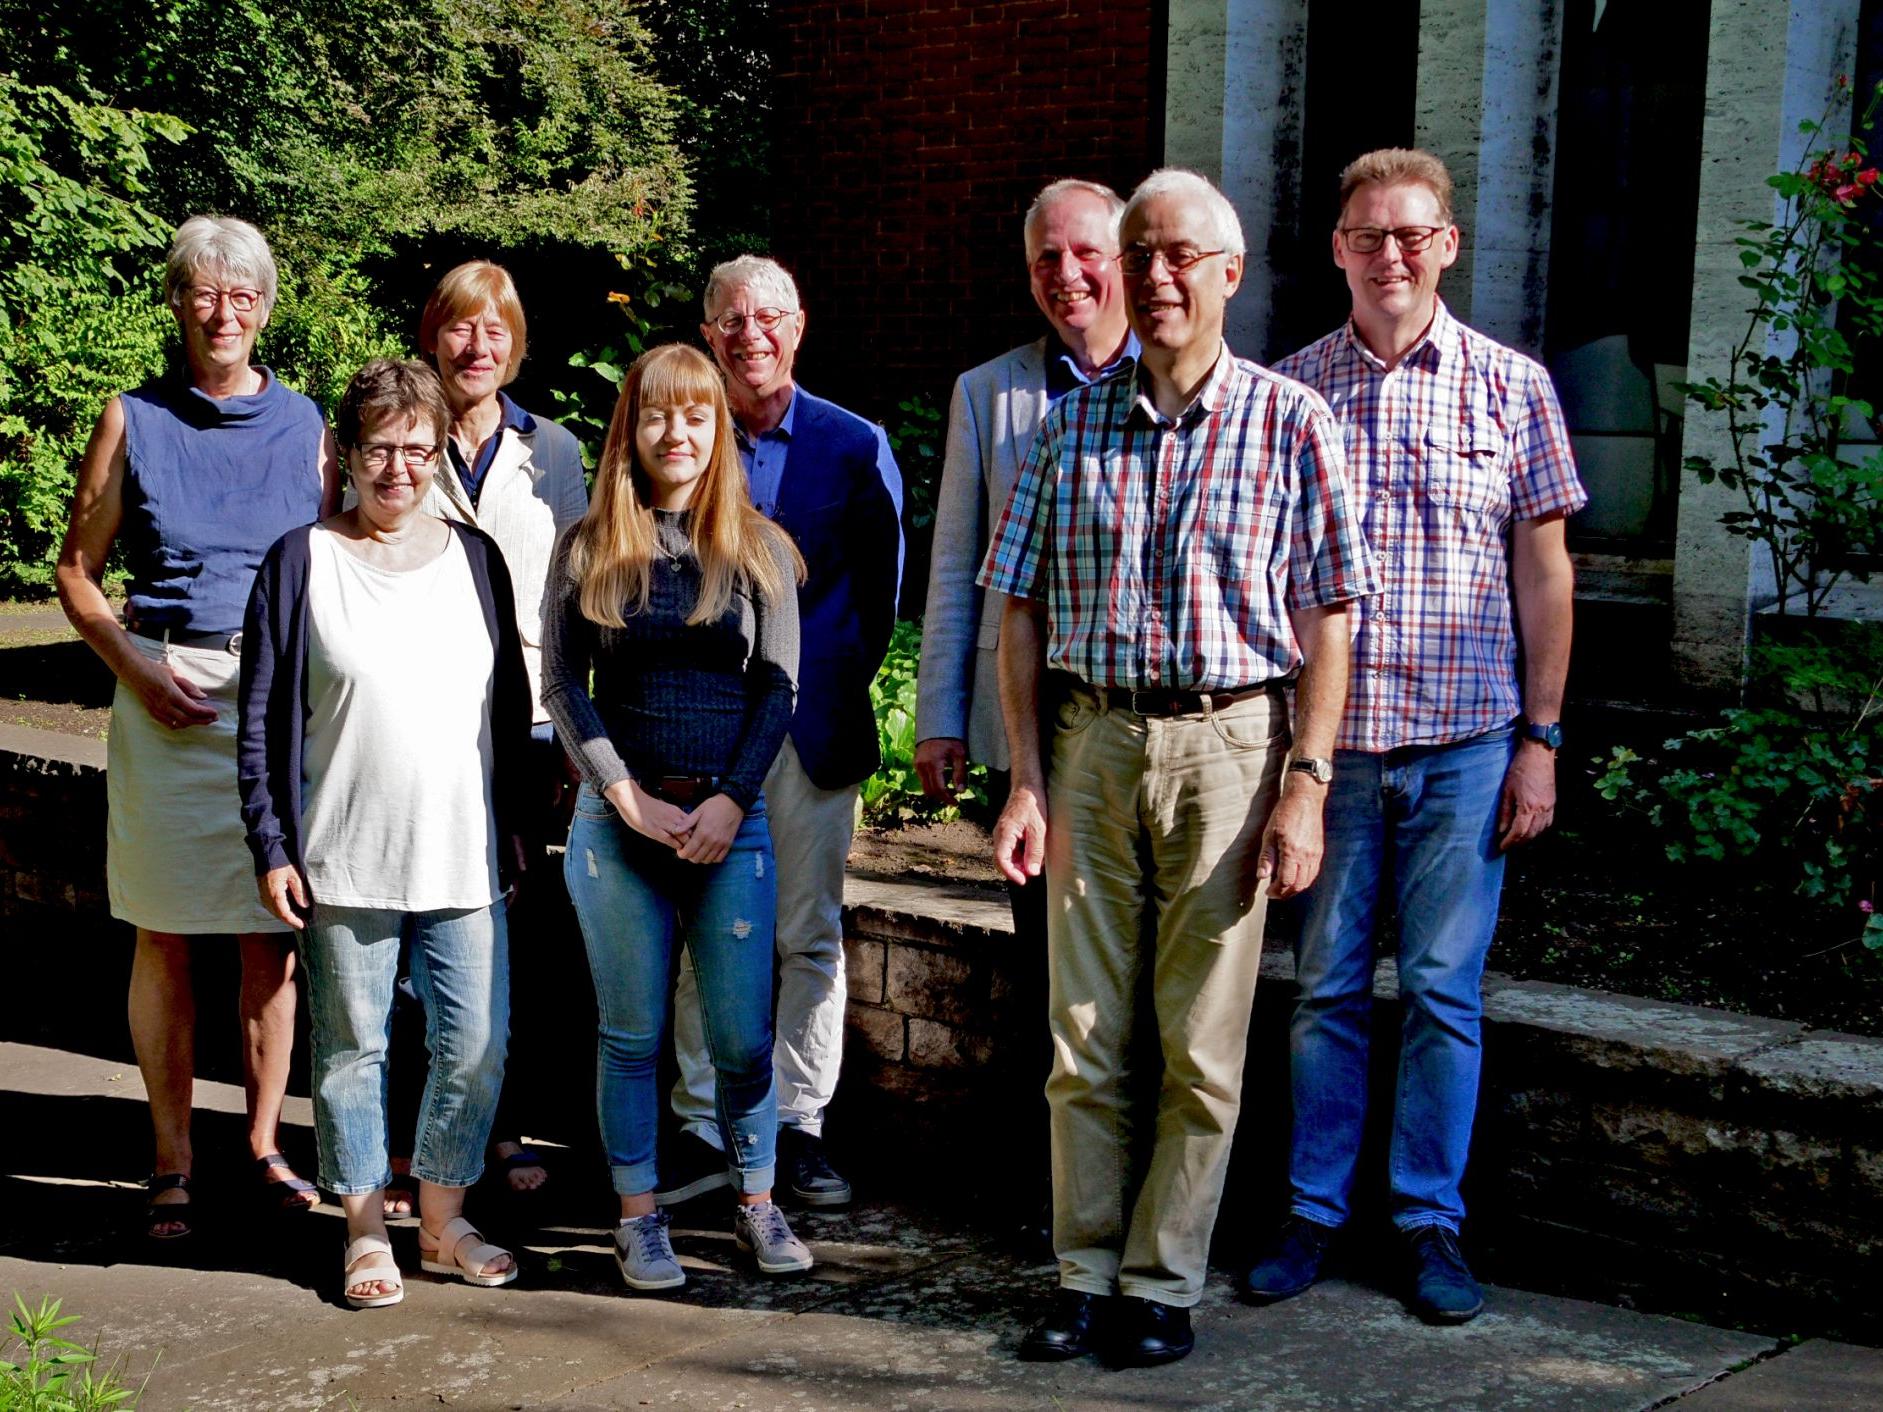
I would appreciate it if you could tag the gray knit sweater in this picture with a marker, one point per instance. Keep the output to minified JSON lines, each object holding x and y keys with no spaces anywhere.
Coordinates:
{"x":669,"y":698}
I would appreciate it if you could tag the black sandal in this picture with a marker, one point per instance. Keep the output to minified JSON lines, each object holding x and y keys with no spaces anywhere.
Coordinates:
{"x":167,"y":1213}
{"x":286,"y":1193}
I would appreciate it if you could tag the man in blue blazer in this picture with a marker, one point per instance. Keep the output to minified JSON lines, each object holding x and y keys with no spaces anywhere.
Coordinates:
{"x":1071,"y":241}
{"x":829,"y":477}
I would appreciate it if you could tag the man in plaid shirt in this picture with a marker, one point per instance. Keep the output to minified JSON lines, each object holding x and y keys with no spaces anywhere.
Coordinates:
{"x":1180,"y":541}
{"x":1462,"y":468}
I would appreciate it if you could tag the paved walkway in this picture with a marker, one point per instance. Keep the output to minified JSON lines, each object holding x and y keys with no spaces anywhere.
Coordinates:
{"x":900,"y":1313}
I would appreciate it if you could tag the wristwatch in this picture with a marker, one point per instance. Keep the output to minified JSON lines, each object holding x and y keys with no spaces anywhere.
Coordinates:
{"x":1320,"y":770}
{"x":1550,"y":736}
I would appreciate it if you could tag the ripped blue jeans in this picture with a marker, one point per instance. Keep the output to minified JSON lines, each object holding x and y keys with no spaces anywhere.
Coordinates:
{"x":636,"y":899}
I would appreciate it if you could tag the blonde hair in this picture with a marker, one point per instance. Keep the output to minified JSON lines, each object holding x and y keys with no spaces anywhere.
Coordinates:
{"x":614,"y":549}
{"x":1397,"y":166}
{"x":467,"y":291}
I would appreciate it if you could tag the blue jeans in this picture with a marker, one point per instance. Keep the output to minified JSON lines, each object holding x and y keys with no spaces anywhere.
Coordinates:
{"x":1420,"y":820}
{"x":635,"y":900}
{"x":461,"y":972}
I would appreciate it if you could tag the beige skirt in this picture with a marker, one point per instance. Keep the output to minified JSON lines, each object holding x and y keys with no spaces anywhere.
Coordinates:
{"x":175,"y":856}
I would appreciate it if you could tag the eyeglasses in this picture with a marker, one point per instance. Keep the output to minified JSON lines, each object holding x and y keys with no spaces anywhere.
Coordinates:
{"x":765,"y":319}
{"x":1086,"y":257}
{"x":1364,"y":240}
{"x":1138,"y":260}
{"x":377,"y":455}
{"x":206,"y":300}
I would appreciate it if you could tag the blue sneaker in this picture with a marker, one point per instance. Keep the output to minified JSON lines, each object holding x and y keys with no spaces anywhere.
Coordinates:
{"x":1292,"y":1264}
{"x":1443,"y":1291}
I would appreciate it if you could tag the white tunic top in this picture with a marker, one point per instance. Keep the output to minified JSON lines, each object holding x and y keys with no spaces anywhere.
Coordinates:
{"x":397,"y":810}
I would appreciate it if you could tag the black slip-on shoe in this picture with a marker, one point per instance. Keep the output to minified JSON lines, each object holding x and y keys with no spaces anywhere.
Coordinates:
{"x":1069,"y":1329}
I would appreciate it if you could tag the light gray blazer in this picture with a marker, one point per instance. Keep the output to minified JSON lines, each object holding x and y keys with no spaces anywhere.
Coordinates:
{"x":993,"y":418}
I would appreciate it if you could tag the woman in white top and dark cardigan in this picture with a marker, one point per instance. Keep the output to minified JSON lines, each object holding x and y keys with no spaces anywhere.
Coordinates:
{"x":385,"y":709}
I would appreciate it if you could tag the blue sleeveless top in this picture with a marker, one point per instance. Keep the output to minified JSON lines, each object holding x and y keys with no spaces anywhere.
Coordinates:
{"x":209,"y":485}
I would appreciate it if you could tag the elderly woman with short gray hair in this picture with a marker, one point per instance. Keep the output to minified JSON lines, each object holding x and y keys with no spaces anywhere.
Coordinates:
{"x":194,"y":475}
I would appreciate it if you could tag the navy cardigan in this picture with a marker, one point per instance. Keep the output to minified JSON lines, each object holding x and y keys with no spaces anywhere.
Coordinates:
{"x":274,"y":696}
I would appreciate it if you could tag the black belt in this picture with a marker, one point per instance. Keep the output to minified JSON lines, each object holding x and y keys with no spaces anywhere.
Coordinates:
{"x":682,"y":791}
{"x":1161,"y":701}
{"x":230,"y":642}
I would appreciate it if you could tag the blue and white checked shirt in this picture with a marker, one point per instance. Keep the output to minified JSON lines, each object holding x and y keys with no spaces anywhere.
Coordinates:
{"x":1170,"y":553}
{"x":1461,"y":438}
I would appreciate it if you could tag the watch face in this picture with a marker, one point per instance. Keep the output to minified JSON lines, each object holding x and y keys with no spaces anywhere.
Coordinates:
{"x":1550,"y":735}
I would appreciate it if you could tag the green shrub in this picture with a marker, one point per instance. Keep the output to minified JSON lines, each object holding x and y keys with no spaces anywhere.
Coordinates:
{"x":1784,"y":790}
{"x":894,"y":793}
{"x":53,"y":1374}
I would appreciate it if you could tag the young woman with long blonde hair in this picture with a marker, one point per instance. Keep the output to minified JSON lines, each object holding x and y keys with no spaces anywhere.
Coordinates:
{"x":682,"y":600}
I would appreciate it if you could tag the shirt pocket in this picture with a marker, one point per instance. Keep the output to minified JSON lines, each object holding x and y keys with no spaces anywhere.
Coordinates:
{"x":1464,"y":468}
{"x":1239,"y":525}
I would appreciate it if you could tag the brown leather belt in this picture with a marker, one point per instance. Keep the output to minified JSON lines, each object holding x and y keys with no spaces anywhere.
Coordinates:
{"x":1160,"y":701}
{"x":682,"y":791}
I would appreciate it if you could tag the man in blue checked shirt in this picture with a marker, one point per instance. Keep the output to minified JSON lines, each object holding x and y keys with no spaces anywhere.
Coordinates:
{"x":1447,"y":759}
{"x":1180,"y":543}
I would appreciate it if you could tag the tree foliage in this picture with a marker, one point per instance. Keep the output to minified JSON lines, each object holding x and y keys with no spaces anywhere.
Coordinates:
{"x":360,"y":137}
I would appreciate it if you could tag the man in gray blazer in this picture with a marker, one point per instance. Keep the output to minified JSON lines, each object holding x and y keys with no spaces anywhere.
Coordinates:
{"x":1071,"y":235}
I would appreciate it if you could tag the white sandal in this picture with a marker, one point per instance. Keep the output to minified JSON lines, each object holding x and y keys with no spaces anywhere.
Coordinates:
{"x":384,"y":1270}
{"x":462,"y":1262}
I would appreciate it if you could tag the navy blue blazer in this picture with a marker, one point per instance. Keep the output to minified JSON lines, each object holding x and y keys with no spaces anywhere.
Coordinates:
{"x":832,"y":500}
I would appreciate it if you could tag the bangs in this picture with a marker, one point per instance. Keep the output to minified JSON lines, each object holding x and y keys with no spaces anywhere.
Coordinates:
{"x":678,"y":376}
{"x":467,"y":292}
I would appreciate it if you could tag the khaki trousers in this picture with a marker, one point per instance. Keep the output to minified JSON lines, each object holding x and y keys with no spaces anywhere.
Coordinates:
{"x":1152,"y":837}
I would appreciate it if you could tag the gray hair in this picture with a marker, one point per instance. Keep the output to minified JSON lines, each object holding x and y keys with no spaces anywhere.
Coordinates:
{"x":764,"y":276}
{"x":1180,"y":181}
{"x":1054,"y":192}
{"x":221,"y":246}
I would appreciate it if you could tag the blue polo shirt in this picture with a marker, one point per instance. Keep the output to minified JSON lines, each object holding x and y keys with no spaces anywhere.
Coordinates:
{"x":471,"y":476}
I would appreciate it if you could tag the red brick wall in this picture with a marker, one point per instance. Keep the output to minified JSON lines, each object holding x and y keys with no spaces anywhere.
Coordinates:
{"x":917,"y":132}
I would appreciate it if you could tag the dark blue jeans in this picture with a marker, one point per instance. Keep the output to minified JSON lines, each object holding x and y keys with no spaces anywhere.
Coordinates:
{"x":636,"y":900}
{"x":1422,"y":821}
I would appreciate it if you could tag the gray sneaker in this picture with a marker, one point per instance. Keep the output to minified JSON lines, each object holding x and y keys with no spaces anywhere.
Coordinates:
{"x":763,"y":1230}
{"x":645,"y":1255}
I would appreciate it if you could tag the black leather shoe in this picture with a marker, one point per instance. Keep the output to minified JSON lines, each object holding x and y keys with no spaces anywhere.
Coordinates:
{"x":1069,"y":1329}
{"x":1150,"y":1333}
{"x":1443,"y":1291}
{"x":1291,"y":1264}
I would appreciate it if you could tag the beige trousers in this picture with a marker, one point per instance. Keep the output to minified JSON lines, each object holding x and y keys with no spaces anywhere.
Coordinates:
{"x":1152,"y":837}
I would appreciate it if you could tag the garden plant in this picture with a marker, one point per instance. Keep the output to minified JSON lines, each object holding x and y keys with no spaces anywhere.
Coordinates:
{"x":1783,"y":791}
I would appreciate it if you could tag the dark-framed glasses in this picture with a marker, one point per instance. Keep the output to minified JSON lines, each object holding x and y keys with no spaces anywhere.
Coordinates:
{"x":1137,"y":260}
{"x":1364,"y":240}
{"x":377,"y":455}
{"x":765,"y":320}
{"x":205,"y":300}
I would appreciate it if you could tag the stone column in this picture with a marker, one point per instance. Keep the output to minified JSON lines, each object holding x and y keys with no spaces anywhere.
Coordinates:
{"x":1769,"y":67}
{"x":1235,"y":89}
{"x":1487,"y":105}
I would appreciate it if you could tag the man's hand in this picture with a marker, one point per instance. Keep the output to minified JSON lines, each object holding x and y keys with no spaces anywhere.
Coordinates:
{"x":1528,"y":804}
{"x":1020,"y":835}
{"x":1291,"y":844}
{"x":941,"y":763}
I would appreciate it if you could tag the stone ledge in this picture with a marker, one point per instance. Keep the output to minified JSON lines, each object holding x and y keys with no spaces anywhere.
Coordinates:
{"x":35,"y":752}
